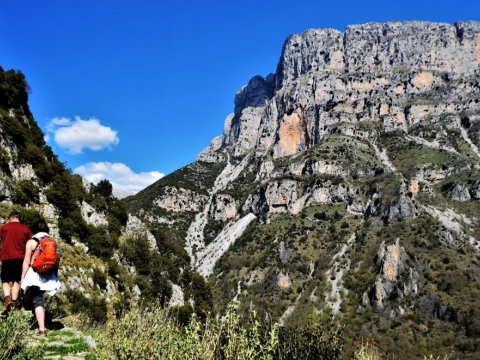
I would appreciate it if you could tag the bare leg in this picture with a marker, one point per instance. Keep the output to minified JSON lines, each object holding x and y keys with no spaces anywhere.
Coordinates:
{"x":15,"y":290}
{"x":40,"y":315}
{"x":6,"y":289}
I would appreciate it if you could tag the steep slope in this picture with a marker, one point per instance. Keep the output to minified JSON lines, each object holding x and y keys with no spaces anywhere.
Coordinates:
{"x":350,"y":186}
{"x":109,"y":258}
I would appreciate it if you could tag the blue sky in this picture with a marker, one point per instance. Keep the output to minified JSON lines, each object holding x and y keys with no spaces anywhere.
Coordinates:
{"x":146,"y":84}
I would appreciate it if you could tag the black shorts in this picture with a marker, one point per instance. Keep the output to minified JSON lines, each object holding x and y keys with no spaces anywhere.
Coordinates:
{"x":12,"y":270}
{"x":33,"y":298}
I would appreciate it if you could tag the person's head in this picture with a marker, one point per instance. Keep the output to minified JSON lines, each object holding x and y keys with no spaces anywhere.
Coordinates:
{"x":42,"y":227}
{"x":14,"y":216}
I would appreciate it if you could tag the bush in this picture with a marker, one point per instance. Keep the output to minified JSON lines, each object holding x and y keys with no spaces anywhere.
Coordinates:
{"x":25,"y":192}
{"x":114,"y":268}
{"x":103,"y":188}
{"x":31,"y":218}
{"x":4,"y":160}
{"x":14,"y":337}
{"x":99,"y":242}
{"x":154,"y":334}
{"x":151,"y":268}
{"x":94,"y":309}
{"x":314,"y":341}
{"x":99,"y":278}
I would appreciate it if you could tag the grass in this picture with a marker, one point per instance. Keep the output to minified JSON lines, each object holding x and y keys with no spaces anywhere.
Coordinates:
{"x":407,"y":155}
{"x":310,"y":239}
{"x":153,"y":334}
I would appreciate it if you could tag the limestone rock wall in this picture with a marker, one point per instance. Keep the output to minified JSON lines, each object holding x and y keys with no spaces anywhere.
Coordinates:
{"x":399,"y":74}
{"x":180,"y":200}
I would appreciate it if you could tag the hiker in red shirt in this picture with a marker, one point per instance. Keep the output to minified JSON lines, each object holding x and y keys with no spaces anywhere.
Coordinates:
{"x":14,"y":236}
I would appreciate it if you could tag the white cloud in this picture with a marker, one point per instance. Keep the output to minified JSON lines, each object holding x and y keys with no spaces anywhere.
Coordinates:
{"x":120,"y":175}
{"x":75,"y":136}
{"x":56,"y":121}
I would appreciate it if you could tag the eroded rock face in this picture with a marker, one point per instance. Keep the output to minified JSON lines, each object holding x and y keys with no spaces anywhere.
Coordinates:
{"x":433,"y":46}
{"x":265,"y":172}
{"x":387,"y":212}
{"x":324,"y":167}
{"x":285,"y":254}
{"x":222,"y":208}
{"x":91,"y":216}
{"x":390,"y":259}
{"x":177,"y":298}
{"x":432,"y":176}
{"x":245,"y":129}
{"x":476,"y":191}
{"x":280,"y":196}
{"x":283,"y":281}
{"x":87,"y":185}
{"x":378,"y":71}
{"x":430,"y":306}
{"x":180,"y":200}
{"x":256,"y":93}
{"x":391,"y":264}
{"x":211,"y":153}
{"x":460,"y":192}
{"x":136,"y":227}
{"x":24,"y":172}
{"x":293,"y":134}
{"x":5,"y":192}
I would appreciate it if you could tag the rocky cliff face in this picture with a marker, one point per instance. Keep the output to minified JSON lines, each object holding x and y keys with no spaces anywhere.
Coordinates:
{"x":372,"y":72}
{"x":359,"y":160}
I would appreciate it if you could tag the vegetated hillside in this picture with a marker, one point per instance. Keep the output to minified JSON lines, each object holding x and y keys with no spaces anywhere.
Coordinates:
{"x":109,"y":258}
{"x":346,"y":184}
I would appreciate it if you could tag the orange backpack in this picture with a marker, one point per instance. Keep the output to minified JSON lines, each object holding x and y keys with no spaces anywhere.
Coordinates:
{"x":45,"y":259}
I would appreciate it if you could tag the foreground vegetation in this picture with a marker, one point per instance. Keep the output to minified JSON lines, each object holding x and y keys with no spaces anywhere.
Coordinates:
{"x":156,"y":334}
{"x":152,"y":334}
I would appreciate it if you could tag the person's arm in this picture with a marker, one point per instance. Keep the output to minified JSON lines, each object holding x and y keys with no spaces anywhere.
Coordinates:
{"x":1,"y":241}
{"x":31,"y":244}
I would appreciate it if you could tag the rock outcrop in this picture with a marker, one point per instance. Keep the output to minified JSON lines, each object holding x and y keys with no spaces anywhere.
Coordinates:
{"x":378,"y":71}
{"x":460,"y":192}
{"x":135,"y":227}
{"x":91,"y":216}
{"x":180,"y":200}
{"x":359,"y":138}
{"x":391,"y":262}
{"x":223,"y":208}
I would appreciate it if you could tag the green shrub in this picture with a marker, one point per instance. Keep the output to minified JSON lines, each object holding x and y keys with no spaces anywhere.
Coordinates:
{"x":25,"y":192}
{"x":99,"y":278}
{"x":4,"y":160}
{"x":14,"y":335}
{"x":94,"y":309}
{"x":103,"y":188}
{"x":114,"y":269}
{"x":151,"y":268}
{"x":184,"y":314}
{"x":100,"y":242}
{"x":31,"y":218}
{"x":154,"y":334}
{"x":313,"y":341}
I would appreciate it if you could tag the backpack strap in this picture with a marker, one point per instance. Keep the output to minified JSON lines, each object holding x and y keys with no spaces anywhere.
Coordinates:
{"x":36,"y":247}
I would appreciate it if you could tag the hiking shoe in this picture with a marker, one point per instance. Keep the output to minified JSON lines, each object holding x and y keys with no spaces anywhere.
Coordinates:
{"x":7,"y":302}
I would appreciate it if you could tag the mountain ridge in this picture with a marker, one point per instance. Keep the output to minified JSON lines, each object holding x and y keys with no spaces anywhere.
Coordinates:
{"x":346,"y":184}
